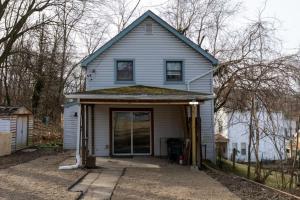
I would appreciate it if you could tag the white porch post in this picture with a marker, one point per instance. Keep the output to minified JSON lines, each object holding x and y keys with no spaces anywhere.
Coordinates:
{"x":78,"y":158}
{"x":194,"y":134}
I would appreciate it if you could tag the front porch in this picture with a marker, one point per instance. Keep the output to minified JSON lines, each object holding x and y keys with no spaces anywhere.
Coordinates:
{"x":138,"y":120}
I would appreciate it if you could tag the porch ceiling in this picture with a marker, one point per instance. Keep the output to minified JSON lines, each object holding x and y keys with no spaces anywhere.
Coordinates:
{"x":140,"y":94}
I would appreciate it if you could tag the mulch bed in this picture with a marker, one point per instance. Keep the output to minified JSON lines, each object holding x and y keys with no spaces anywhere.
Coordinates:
{"x":245,"y":189}
{"x":21,"y":156}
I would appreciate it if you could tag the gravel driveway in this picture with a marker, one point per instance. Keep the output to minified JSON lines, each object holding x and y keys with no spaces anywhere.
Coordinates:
{"x":38,"y":179}
{"x":152,"y":178}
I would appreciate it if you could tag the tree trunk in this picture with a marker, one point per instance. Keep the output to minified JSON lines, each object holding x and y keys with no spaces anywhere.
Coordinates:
{"x":295,"y":156}
{"x":250,"y":138}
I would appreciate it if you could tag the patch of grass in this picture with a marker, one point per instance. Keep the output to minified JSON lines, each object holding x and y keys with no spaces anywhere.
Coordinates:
{"x":50,"y":145}
{"x":273,"y":180}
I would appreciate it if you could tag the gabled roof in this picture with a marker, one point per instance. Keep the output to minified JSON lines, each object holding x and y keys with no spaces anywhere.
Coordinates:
{"x":220,"y":138}
{"x":160,"y":21}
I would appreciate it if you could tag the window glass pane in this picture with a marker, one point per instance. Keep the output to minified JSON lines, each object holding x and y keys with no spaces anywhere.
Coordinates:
{"x":124,"y":70}
{"x":141,"y":132}
{"x":243,"y":148}
{"x":174,"y":71}
{"x":174,"y":66}
{"x":122,"y":132}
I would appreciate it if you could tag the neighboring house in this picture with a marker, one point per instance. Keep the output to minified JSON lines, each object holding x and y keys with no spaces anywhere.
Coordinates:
{"x":16,"y":128}
{"x":275,"y":135}
{"x":139,"y":86}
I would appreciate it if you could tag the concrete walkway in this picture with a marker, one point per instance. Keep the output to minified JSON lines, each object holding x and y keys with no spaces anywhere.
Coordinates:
{"x":149,"y":178}
{"x":98,"y":185}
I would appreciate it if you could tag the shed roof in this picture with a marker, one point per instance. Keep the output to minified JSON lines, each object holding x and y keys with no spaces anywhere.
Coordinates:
{"x":220,"y":138}
{"x":141,"y":92}
{"x":160,"y":21}
{"x":14,"y":110}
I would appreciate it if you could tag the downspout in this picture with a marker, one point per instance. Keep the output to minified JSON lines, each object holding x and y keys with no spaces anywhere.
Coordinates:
{"x":78,"y":158}
{"x":188,"y":83}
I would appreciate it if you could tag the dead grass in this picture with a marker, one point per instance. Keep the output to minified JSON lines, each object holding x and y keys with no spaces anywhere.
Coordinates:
{"x":38,"y":179}
{"x":273,"y":180}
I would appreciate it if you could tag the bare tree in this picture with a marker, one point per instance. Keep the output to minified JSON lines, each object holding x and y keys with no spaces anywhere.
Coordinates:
{"x":120,"y":12}
{"x":16,"y":19}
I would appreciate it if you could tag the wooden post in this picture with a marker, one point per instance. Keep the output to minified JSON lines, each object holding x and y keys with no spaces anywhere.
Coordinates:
{"x":93,"y":129}
{"x":194,"y":145}
{"x":87,"y":125}
{"x":83,"y":147}
{"x":200,"y":137}
{"x":233,"y":157}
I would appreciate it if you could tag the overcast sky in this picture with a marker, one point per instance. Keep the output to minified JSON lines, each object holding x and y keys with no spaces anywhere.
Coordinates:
{"x":286,"y":11}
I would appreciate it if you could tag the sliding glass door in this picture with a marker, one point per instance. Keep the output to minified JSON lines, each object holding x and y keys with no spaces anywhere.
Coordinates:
{"x":131,"y":134}
{"x":141,"y":128}
{"x":122,"y":132}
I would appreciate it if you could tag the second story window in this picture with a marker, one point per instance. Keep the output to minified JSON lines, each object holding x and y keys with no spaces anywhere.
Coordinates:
{"x":174,"y":71}
{"x":124,"y":70}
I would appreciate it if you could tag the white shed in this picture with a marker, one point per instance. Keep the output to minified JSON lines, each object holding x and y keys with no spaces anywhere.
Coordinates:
{"x":16,"y":127}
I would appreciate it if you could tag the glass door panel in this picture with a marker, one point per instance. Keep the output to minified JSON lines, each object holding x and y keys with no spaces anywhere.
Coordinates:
{"x":141,"y":132}
{"x":122,"y":129}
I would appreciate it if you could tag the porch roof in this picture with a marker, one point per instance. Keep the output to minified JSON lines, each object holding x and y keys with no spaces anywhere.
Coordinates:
{"x":141,"y":93}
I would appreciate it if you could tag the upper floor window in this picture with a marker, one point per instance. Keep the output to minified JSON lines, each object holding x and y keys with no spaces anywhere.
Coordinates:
{"x":174,"y":71}
{"x":124,"y":70}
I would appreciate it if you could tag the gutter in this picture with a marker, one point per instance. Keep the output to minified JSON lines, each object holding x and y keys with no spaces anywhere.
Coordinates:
{"x":78,"y":158}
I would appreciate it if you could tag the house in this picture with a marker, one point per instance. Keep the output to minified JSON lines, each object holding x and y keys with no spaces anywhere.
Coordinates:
{"x":147,"y":84}
{"x":276,"y":132}
{"x":16,"y":128}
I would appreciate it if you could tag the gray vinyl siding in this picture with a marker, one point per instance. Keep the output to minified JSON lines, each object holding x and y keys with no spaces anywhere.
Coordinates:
{"x":149,"y":52}
{"x":101,"y":130}
{"x":70,"y":126}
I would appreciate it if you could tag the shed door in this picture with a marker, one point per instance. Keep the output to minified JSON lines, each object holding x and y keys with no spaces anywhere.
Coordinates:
{"x":21,"y":131}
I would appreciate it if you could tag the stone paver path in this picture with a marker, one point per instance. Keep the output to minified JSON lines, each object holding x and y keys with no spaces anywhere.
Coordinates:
{"x":103,"y":187}
{"x":98,"y":185}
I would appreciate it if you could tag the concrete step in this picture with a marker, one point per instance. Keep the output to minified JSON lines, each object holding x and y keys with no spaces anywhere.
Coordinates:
{"x":85,"y":183}
{"x":98,"y":185}
{"x":103,"y":186}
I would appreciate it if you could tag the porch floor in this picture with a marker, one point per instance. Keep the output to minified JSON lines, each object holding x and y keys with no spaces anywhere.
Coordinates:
{"x":154,"y":178}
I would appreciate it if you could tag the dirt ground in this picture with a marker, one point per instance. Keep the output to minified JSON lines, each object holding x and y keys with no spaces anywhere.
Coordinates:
{"x":246,"y":190}
{"x":38,"y":179}
{"x":168,"y":181}
{"x":24,"y":156}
